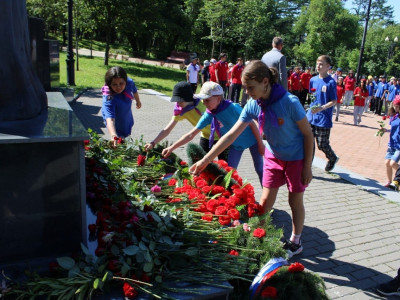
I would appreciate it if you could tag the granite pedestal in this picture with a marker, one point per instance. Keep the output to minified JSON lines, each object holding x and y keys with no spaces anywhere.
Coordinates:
{"x":42,"y":185}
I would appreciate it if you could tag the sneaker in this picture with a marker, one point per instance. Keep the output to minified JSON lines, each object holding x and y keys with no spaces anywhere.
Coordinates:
{"x":391,"y":288}
{"x":292,"y":248}
{"x":331,"y":164}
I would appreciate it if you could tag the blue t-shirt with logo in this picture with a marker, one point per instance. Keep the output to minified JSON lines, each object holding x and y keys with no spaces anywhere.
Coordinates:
{"x":393,"y":91}
{"x":325,"y":91}
{"x":285,"y":142}
{"x":381,"y":88}
{"x":119,"y":107}
{"x":226,"y":119}
{"x":394,"y":139}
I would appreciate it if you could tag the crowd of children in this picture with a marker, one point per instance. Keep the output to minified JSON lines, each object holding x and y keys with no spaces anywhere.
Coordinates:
{"x":285,"y":123}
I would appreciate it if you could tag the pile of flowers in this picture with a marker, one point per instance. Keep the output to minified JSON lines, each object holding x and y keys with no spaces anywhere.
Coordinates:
{"x":282,"y":281}
{"x":156,"y":224}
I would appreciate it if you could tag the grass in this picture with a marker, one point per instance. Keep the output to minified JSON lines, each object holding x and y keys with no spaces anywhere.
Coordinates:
{"x":91,"y":74}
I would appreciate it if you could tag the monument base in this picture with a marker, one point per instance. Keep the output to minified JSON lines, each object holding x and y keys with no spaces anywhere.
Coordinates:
{"x":42,"y":185}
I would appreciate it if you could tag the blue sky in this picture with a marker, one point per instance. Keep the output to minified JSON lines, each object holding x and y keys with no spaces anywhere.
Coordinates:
{"x":394,"y":3}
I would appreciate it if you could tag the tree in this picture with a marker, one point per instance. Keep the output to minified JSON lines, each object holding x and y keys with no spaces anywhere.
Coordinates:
{"x":53,"y":12}
{"x":380,"y":11}
{"x":321,"y":23}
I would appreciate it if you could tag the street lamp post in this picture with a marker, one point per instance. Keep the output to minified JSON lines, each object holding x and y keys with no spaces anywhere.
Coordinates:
{"x":358,"y":73}
{"x":391,"y":47}
{"x":70,"y":52}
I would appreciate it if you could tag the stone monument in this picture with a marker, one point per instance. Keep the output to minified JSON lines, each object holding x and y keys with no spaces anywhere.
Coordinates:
{"x":42,"y":182}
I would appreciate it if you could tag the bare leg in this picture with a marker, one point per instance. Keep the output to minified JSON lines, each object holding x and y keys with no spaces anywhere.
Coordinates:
{"x":389,"y":171}
{"x":268,"y":198}
{"x":394,"y":165}
{"x":298,"y":211}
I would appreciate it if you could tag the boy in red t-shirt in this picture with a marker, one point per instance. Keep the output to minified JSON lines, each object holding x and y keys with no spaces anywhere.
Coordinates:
{"x":360,"y":94}
{"x":349,"y":84}
{"x":295,"y":82}
{"x":212,"y":70}
{"x":305,"y":84}
{"x":221,"y":71}
{"x":236,"y":80}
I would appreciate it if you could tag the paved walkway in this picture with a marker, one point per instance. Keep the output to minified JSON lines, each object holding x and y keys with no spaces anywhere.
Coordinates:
{"x":351,"y":237}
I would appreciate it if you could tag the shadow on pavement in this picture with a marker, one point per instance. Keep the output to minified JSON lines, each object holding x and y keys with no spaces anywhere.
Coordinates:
{"x":87,"y":114}
{"x":317,"y":257}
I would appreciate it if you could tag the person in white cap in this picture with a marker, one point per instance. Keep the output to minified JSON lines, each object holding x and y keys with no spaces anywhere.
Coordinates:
{"x":192,"y":73}
{"x":213,"y":78}
{"x":222,"y":115}
{"x":205,"y":73}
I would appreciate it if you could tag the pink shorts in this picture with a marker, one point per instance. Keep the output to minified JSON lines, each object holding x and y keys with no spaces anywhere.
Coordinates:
{"x":278,"y":172}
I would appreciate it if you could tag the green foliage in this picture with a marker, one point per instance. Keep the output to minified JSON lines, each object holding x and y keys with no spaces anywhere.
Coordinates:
{"x":259,"y":250}
{"x":91,"y":74}
{"x":322,"y":22}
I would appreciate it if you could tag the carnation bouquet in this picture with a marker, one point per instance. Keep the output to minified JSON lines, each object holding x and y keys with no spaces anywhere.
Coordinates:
{"x":279,"y":280}
{"x":156,"y":224}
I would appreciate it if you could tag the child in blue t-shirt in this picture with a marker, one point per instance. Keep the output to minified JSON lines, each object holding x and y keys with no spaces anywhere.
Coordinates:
{"x":392,"y":156}
{"x":288,"y":153}
{"x":118,"y":93}
{"x":222,"y":116}
{"x":320,"y":114}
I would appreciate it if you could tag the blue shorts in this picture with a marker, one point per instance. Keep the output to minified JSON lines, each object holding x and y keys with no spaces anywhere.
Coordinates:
{"x":393,"y":154}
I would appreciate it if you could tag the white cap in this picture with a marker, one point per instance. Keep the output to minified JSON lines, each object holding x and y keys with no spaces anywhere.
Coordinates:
{"x":213,"y":60}
{"x":206,"y":63}
{"x":210,"y":89}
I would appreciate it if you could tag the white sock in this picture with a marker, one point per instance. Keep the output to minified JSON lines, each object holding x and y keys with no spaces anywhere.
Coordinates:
{"x":295,"y":238}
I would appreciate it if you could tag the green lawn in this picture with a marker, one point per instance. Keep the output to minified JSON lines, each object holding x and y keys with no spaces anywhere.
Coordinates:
{"x":91,"y":74}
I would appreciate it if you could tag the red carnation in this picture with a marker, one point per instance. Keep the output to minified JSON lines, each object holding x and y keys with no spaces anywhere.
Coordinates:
{"x":200,"y":183}
{"x":224,"y":220}
{"x":172,"y":182}
{"x":384,"y":118}
{"x":222,"y":163}
{"x":206,"y":189}
{"x":175,"y":200}
{"x":129,"y":291}
{"x":313,"y":90}
{"x":220,"y":210}
{"x":234,"y":252}
{"x":296,"y":267}
{"x":212,"y":205}
{"x":269,"y":292}
{"x":183,"y":163}
{"x":140,"y":160}
{"x":207,"y":217}
{"x":234,"y":214}
{"x":217,"y":190}
{"x":259,"y":233}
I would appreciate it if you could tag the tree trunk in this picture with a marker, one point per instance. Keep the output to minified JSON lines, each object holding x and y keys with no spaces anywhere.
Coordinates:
{"x":22,"y":95}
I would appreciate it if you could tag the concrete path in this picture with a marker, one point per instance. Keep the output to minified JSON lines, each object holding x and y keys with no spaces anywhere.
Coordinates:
{"x":351,"y":236}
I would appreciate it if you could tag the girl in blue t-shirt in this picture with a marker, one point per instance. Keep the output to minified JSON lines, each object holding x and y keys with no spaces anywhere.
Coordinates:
{"x":289,"y":147}
{"x":118,"y":93}
{"x":392,"y":156}
{"x":222,"y":115}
